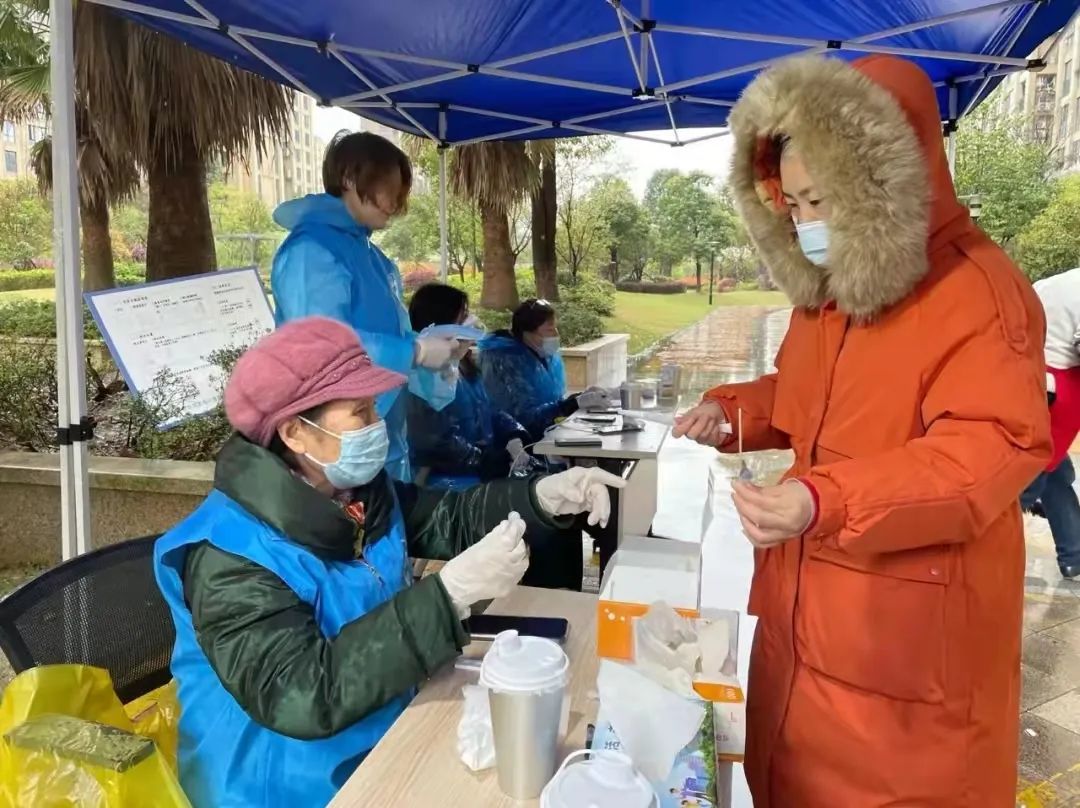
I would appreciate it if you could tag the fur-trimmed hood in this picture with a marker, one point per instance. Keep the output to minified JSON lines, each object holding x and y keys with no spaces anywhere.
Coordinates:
{"x":869,"y":133}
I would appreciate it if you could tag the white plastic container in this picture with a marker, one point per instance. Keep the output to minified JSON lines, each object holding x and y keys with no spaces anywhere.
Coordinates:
{"x":606,"y":780}
{"x":526,"y":678}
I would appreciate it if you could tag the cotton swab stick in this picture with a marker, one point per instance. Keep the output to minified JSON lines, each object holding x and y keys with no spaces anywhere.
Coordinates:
{"x":744,"y":470}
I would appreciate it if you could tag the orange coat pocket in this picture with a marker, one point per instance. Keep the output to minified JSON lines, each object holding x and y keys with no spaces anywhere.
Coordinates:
{"x":878,"y":626}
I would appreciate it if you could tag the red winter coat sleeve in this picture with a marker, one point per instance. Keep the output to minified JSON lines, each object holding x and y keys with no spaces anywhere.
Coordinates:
{"x":987,"y":437}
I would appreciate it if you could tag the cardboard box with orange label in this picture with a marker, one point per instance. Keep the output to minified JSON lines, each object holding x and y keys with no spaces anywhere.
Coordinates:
{"x":647,"y":571}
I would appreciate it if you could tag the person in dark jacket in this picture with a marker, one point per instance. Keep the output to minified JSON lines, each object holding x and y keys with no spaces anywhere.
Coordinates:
{"x":523,"y":370}
{"x":469,"y":441}
{"x":300,"y":635}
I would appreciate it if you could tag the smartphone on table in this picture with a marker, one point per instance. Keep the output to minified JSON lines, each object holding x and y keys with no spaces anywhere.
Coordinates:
{"x":486,"y":626}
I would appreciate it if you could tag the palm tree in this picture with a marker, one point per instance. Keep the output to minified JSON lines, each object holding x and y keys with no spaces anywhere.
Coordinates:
{"x":545,"y":220}
{"x":103,"y":183}
{"x":151,"y":101}
{"x":496,"y":174}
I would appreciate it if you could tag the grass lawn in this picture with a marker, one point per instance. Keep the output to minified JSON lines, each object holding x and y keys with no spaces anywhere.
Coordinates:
{"x":27,"y":294}
{"x":648,"y":318}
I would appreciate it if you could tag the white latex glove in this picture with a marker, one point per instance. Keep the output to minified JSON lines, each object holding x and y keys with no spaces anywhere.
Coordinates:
{"x":515,"y":448}
{"x":435,"y":353}
{"x":594,"y":399}
{"x":489,"y":569}
{"x":579,"y":490}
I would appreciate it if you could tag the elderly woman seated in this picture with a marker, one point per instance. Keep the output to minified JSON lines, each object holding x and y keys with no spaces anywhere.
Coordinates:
{"x":300,"y":633}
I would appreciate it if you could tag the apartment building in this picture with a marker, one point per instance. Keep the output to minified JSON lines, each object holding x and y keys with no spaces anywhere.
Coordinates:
{"x":1050,"y":99}
{"x":291,"y":169}
{"x":16,"y":142}
{"x":284,"y":170}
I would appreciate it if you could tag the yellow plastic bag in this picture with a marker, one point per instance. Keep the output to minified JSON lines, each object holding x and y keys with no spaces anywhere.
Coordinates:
{"x":66,"y":740}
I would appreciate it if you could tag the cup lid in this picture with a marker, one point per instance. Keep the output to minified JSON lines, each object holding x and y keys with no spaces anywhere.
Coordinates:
{"x":607,"y":780}
{"x":516,"y":664}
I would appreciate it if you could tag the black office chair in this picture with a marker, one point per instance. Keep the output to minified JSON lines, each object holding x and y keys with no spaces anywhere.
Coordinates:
{"x":102,"y":609}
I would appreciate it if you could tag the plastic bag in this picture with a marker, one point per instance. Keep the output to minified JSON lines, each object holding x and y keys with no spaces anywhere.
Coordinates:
{"x":66,"y":740}
{"x":475,"y":741}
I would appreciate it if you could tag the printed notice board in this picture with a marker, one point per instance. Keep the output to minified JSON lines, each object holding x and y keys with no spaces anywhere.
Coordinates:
{"x":163,"y":335}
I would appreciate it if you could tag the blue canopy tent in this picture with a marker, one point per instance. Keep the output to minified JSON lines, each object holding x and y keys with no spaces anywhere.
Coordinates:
{"x":469,"y":71}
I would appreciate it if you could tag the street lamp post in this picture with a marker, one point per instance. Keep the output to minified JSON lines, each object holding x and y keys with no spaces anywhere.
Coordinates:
{"x":712,"y":269}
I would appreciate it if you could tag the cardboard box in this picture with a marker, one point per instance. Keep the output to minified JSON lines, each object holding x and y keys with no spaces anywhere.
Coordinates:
{"x":645,"y":571}
{"x":691,"y":783}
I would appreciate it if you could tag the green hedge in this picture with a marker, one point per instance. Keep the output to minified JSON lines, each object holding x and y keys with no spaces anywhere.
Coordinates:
{"x":37,"y":318}
{"x":128,"y":273}
{"x":652,"y":288}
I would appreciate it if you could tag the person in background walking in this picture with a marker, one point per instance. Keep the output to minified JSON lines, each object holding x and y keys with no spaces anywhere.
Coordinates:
{"x":1053,"y":489}
{"x":328,"y":266}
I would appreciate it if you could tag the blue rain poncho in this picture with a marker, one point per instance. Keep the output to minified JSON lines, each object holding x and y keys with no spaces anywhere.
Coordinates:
{"x":520,"y":382}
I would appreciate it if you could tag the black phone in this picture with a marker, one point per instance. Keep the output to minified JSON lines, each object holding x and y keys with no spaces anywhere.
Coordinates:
{"x":578,"y":443}
{"x":597,"y":419}
{"x":486,"y":626}
{"x":620,"y":430}
{"x":602,"y":411}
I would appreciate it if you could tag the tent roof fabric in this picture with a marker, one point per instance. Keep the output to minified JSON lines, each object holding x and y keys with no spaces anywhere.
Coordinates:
{"x":463,"y":71}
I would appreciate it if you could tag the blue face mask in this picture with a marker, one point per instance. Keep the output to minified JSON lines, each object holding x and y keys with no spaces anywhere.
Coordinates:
{"x":814,"y":240}
{"x":550,"y":347}
{"x":361,"y":458}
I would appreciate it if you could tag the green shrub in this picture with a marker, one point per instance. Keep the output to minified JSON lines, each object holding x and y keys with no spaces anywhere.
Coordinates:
{"x":653,"y":288}
{"x":28,"y":397}
{"x":129,"y":273}
{"x":17,"y":280}
{"x":578,"y":324}
{"x":590,"y":292}
{"x":37,"y":318}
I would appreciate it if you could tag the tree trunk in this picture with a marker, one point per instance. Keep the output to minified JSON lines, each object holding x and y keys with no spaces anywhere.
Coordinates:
{"x":697,"y":264}
{"x":544,"y":210}
{"x":97,"y":254}
{"x":500,"y":285}
{"x":180,"y":236}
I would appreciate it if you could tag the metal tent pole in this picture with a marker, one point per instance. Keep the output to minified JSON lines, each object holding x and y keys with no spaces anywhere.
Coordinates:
{"x":444,"y":234}
{"x":73,"y":427}
{"x":951,"y":127}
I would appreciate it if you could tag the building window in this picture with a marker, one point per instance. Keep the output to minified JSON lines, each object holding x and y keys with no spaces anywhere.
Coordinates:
{"x":1063,"y":131}
{"x":9,"y":132}
{"x":1067,"y":42}
{"x":35,"y":133}
{"x":1045,"y":93}
{"x":1066,"y":79}
{"x":11,"y":162}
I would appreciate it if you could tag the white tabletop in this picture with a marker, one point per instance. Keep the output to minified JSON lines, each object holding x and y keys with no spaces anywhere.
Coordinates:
{"x":644,"y":445}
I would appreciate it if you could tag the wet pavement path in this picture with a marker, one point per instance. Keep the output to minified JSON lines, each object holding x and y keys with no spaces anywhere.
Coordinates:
{"x":739,"y":344}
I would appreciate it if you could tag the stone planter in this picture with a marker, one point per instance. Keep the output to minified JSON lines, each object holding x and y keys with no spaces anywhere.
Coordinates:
{"x":600,"y":363}
{"x":128,"y":498}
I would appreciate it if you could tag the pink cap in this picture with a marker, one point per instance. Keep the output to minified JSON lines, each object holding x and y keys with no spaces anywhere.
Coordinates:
{"x":303,"y":364}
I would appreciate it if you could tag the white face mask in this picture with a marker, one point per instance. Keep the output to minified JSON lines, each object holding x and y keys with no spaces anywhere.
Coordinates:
{"x":814,"y":241}
{"x":550,"y":347}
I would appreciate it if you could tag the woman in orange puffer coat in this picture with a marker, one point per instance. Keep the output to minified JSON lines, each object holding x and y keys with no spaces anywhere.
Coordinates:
{"x":889,"y":566}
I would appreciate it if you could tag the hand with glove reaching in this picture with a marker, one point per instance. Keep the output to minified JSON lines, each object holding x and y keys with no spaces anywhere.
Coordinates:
{"x":595,"y":398}
{"x":435,"y":353}
{"x":579,"y":490}
{"x":489,"y":569}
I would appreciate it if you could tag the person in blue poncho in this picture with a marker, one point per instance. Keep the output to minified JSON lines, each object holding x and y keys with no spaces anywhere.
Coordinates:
{"x":470,"y":441}
{"x":328,"y":266}
{"x":523,"y":370}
